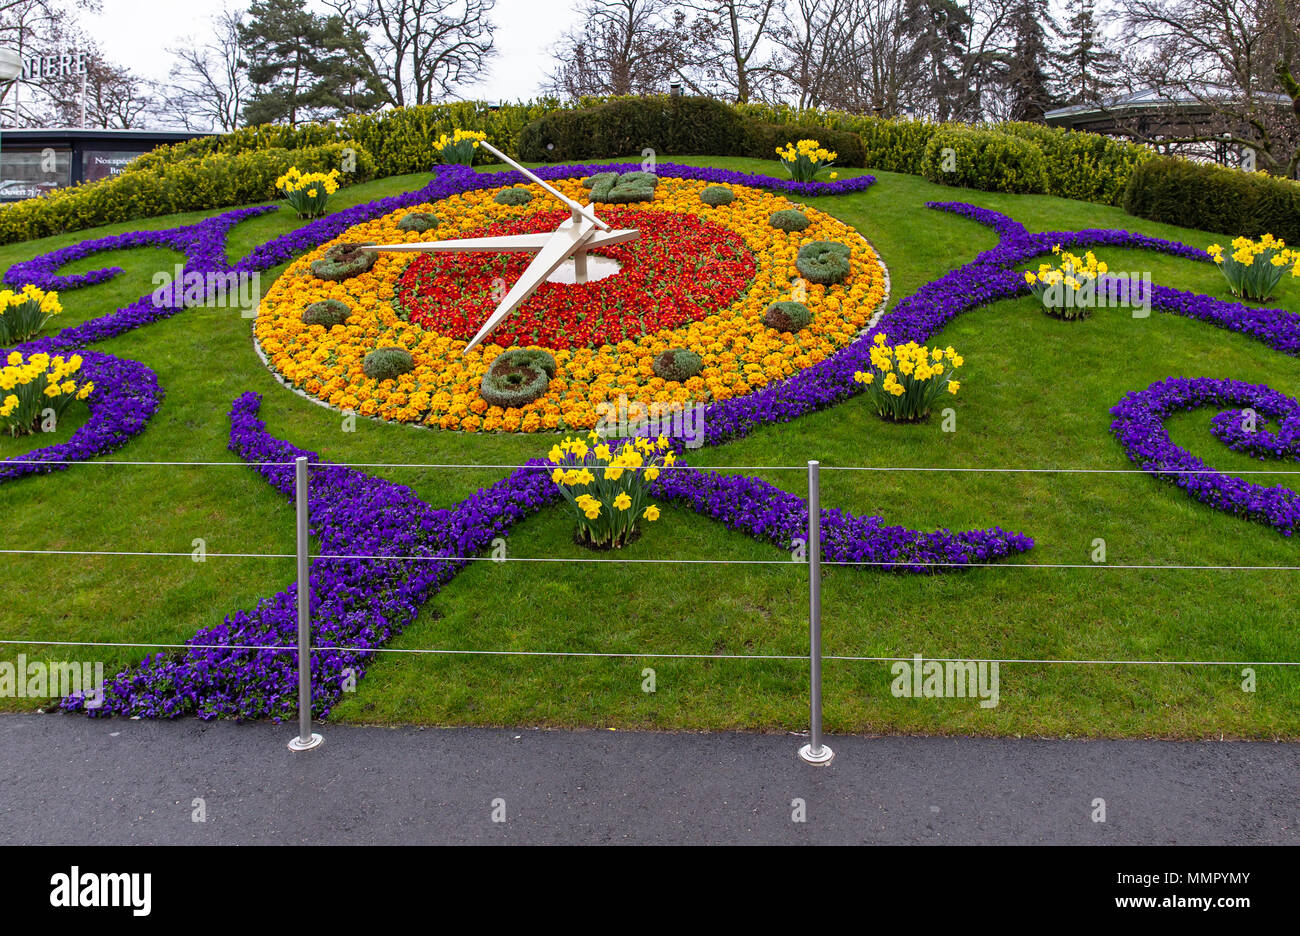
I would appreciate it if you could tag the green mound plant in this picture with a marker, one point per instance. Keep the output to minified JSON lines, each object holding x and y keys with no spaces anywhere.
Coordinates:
{"x":517,"y":376}
{"x":823,"y":262}
{"x":327,"y":313}
{"x":787,"y":316}
{"x":513,"y":197}
{"x":789,"y":220}
{"x":387,"y":363}
{"x":679,"y":364}
{"x":343,"y":261}
{"x":419,"y":222}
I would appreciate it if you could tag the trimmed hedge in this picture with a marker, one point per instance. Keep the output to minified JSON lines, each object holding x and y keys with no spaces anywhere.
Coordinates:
{"x":400,"y":140}
{"x":627,"y":126}
{"x":194,"y":184}
{"x":1212,"y":198}
{"x":1083,"y":166}
{"x":986,"y":160}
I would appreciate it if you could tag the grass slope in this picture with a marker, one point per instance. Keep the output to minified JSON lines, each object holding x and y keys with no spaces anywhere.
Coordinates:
{"x":1036,"y":394}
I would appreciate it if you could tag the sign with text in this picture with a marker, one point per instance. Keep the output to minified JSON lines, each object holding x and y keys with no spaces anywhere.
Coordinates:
{"x":64,"y":64}
{"x":101,"y":164}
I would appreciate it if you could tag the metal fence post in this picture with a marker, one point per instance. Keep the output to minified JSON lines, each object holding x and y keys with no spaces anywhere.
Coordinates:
{"x":814,"y":752}
{"x":305,"y":740}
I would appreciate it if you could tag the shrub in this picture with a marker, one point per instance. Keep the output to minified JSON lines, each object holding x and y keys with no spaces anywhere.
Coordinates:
{"x":419,"y":222}
{"x":679,"y":364}
{"x":517,"y":376}
{"x":1211,"y":198}
{"x":984,"y":159}
{"x":717,"y":195}
{"x":789,"y":220}
{"x":343,"y":261}
{"x":1083,"y":166}
{"x":608,"y":490}
{"x":399,"y":139}
{"x":387,"y":363}
{"x":823,"y":262}
{"x":787,"y":316}
{"x":896,"y":145}
{"x":628,"y":126}
{"x":905,"y":380}
{"x":151,"y":188}
{"x":327,"y":312}
{"x":613,"y":188}
{"x":513,"y":197}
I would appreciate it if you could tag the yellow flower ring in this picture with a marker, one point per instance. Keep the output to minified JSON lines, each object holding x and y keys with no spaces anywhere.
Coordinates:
{"x":740,"y":353}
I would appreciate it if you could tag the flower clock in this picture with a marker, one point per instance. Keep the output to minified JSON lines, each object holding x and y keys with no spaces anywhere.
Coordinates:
{"x":699,"y":279}
{"x":734,"y":295}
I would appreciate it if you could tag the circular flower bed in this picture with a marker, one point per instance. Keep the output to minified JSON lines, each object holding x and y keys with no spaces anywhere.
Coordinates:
{"x":453,"y":294}
{"x":699,"y":279}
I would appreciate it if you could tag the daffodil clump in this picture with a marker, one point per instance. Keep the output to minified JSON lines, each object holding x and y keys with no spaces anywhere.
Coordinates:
{"x":607,"y":487}
{"x":29,"y":387}
{"x":905,"y":380}
{"x":1254,"y":268}
{"x":458,"y":149}
{"x":1067,"y":291}
{"x":803,"y":160}
{"x":309,"y":192}
{"x":24,"y":313}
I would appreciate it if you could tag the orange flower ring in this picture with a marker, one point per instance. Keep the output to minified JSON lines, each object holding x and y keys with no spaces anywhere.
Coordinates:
{"x":700,"y":278}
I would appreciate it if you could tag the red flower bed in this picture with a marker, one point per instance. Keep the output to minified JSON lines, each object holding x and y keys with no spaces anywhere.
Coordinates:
{"x":681,"y":269}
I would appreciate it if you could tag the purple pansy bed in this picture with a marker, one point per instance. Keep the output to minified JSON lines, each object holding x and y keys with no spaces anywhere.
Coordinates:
{"x":359,"y":604}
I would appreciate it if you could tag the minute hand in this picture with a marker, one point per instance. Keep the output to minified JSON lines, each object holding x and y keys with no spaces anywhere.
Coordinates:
{"x":574,"y":206}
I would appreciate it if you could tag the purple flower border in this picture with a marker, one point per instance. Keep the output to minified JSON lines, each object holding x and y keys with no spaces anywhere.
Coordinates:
{"x":359,"y":604}
{"x":126,"y":396}
{"x":1140,"y":428}
{"x":1262,"y":442}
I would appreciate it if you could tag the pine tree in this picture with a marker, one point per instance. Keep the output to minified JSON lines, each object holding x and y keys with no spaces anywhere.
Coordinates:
{"x":301,"y":65}
{"x":1026,"y":75}
{"x":1086,"y":72}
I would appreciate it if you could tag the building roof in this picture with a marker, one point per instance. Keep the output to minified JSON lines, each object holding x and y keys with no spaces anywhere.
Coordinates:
{"x":50,"y":134}
{"x":1139,"y":103}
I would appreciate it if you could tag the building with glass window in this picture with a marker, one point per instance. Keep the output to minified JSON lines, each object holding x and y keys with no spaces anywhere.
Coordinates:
{"x":34,"y":162}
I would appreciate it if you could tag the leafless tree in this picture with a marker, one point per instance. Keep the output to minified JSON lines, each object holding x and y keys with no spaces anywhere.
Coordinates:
{"x":1235,"y":60}
{"x":423,"y":50}
{"x":208,"y":85}
{"x":115,"y":98}
{"x":621,"y":47}
{"x":731,"y":50}
{"x":32,"y":28}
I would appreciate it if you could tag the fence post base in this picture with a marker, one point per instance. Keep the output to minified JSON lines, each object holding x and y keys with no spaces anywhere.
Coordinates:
{"x":298,"y":744}
{"x":819,"y":758}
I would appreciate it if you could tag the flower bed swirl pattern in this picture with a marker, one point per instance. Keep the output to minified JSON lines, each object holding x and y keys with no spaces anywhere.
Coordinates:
{"x":360,"y":603}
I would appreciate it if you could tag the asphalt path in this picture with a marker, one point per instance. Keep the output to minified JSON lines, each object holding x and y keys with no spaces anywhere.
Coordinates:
{"x":75,"y":781}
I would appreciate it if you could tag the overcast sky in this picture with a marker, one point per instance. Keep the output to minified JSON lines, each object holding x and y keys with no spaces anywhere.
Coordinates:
{"x":135,"y":33}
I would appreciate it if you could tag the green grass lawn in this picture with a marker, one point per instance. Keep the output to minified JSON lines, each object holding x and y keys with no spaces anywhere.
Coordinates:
{"x":1036,"y":393}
